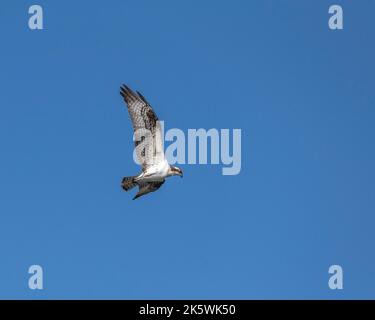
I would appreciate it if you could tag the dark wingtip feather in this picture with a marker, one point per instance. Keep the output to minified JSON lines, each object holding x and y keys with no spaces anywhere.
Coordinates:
{"x":127,"y":93}
{"x":142,"y":97}
{"x":123,"y":90}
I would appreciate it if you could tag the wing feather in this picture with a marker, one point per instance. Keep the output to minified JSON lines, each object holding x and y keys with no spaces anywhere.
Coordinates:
{"x":145,"y":123}
{"x":147,"y":187}
{"x":142,"y":97}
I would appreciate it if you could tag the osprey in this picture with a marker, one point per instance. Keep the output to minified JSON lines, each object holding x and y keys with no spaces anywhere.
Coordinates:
{"x":155,"y":168}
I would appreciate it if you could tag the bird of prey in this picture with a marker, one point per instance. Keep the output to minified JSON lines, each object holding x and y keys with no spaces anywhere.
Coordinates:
{"x":149,"y":148}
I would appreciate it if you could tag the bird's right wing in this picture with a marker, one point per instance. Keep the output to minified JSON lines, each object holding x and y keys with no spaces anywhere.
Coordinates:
{"x":145,"y":125}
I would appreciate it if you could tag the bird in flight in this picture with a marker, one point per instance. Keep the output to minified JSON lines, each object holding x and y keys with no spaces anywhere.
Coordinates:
{"x":148,"y":145}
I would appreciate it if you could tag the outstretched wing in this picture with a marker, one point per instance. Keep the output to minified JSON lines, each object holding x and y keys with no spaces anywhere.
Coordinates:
{"x":145,"y":125}
{"x":147,"y":187}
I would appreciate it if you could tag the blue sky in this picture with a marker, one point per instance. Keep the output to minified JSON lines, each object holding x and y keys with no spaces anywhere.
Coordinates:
{"x":302,"y":94}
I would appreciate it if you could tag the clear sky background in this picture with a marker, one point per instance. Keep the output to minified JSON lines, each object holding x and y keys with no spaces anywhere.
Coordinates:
{"x":302,"y":94}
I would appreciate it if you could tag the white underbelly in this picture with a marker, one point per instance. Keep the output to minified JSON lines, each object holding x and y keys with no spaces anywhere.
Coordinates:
{"x":157,"y":172}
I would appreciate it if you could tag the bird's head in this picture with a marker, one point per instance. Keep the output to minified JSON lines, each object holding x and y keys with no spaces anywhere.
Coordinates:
{"x":174,"y":171}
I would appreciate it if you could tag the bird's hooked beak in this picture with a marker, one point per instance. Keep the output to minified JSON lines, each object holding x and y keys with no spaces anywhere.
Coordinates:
{"x":174,"y":171}
{"x":179,"y":172}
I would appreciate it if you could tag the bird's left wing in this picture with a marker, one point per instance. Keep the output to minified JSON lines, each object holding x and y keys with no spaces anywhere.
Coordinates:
{"x":144,"y":120}
{"x":147,"y":187}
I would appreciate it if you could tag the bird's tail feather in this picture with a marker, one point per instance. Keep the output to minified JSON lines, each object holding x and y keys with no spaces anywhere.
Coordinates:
{"x":128,"y":183}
